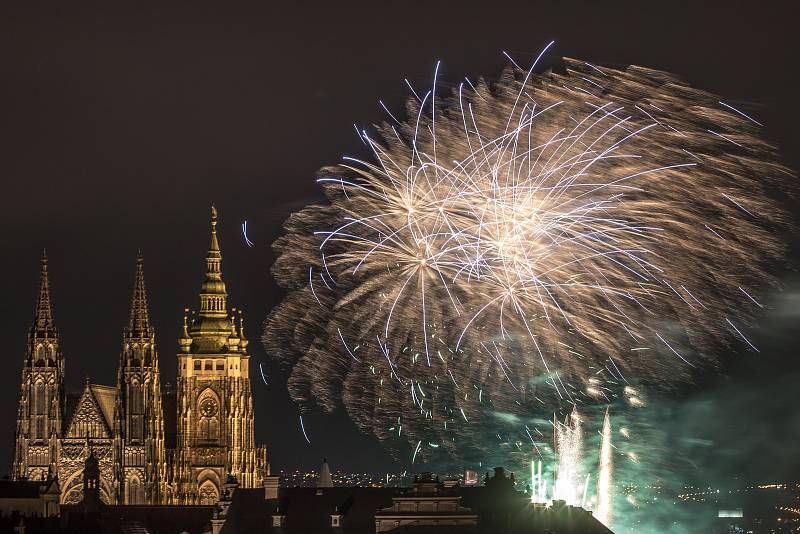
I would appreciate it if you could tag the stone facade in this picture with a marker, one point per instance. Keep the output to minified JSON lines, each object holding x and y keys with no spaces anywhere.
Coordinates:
{"x":124,"y":428}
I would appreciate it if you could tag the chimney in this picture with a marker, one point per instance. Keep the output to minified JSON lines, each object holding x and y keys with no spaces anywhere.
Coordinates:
{"x":271,"y":483}
{"x":216,"y":525}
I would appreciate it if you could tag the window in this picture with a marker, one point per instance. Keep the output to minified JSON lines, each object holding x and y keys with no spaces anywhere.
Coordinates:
{"x":136,"y":428}
{"x":208,"y":429}
{"x":220,"y":366}
{"x":135,"y":491}
{"x":208,"y":493}
{"x":136,"y":401}
{"x":209,"y":365}
{"x":196,"y":365}
{"x":135,"y":411}
{"x":40,"y":433}
{"x":39,"y":404}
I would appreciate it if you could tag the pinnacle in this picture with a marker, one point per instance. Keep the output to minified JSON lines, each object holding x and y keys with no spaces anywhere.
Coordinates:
{"x":213,"y":250}
{"x":44,"y":309}
{"x":139,"y":322}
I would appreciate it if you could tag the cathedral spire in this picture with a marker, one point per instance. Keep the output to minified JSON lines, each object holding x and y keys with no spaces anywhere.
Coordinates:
{"x":43,"y":321}
{"x":40,"y":411}
{"x":213,"y":297}
{"x":139,"y":322}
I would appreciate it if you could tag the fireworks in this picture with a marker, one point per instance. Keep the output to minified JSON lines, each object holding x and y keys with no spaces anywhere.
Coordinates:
{"x":538,"y":241}
{"x":605,"y":493}
{"x":538,"y":484}
{"x":568,"y":438}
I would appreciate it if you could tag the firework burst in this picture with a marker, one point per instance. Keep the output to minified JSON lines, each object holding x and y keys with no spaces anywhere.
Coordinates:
{"x":511,"y":246}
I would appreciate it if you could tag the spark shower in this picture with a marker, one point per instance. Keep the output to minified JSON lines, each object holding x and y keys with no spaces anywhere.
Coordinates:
{"x":516,"y":247}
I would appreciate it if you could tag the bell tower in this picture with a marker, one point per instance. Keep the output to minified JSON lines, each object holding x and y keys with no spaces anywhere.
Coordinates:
{"x":40,"y":413}
{"x":138,"y":412}
{"x":215,"y":404}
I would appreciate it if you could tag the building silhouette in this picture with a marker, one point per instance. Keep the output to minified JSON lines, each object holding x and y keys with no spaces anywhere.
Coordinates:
{"x":150,"y":445}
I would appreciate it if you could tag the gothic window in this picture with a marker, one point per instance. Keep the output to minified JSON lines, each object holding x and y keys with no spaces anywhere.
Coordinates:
{"x":136,"y":428}
{"x":135,"y":410}
{"x":72,"y":495}
{"x":40,"y":433}
{"x":135,"y":404}
{"x":208,"y":408}
{"x":38,"y":456}
{"x":39,"y":405}
{"x":208,"y":493}
{"x":39,"y":409}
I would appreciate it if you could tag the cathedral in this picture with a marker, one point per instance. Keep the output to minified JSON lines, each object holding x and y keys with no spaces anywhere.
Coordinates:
{"x":153,"y":444}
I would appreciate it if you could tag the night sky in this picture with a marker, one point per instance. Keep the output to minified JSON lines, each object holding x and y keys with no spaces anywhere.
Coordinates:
{"x":119,"y":127}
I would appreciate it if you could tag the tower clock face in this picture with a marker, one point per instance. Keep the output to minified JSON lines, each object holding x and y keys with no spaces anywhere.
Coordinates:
{"x":208,"y":407}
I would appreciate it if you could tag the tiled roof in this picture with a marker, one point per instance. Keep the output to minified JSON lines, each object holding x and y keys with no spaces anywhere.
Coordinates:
{"x":106,"y":397}
{"x":70,"y":405}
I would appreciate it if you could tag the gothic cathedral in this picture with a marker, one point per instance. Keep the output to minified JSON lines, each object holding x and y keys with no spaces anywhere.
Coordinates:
{"x":152,"y":444}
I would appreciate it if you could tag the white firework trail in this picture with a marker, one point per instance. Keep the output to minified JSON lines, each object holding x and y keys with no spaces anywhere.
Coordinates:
{"x":568,"y":437}
{"x":605,"y":480}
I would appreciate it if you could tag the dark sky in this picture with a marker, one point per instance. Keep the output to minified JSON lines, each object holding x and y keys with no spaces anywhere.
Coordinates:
{"x":120,"y":126}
